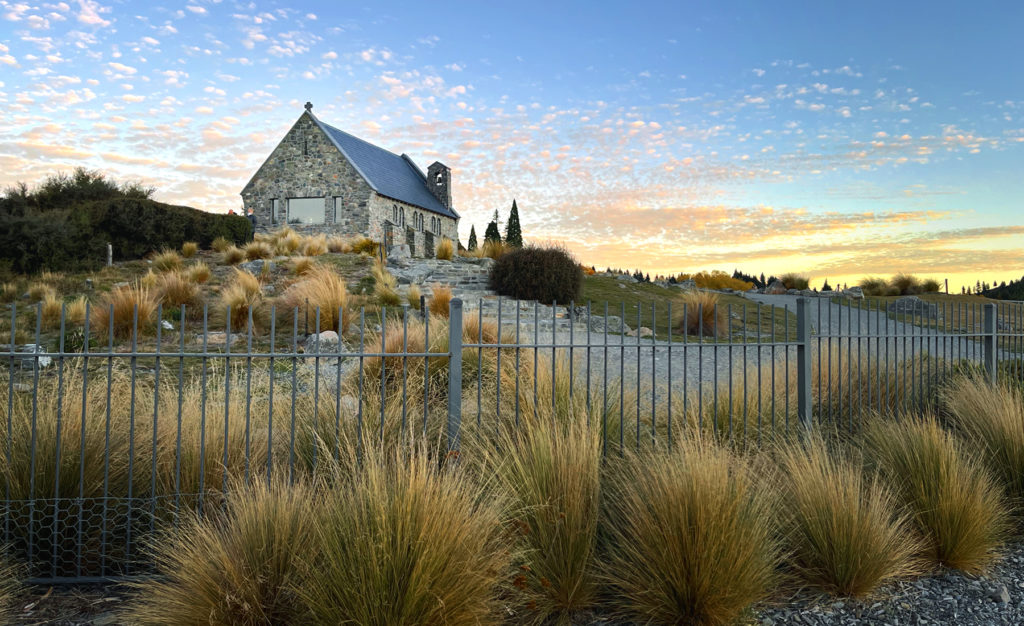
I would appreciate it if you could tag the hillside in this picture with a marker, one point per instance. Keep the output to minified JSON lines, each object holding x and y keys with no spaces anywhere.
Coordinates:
{"x":1011,"y":291}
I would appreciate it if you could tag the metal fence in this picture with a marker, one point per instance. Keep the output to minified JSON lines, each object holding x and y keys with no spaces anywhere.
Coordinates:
{"x":114,"y":430}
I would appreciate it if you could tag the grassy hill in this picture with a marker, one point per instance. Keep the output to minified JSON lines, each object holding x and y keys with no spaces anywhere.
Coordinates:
{"x":1013,"y":290}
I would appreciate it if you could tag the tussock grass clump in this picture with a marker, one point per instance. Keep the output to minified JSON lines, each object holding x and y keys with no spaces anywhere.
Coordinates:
{"x":842,"y":527}
{"x":338,"y":244}
{"x":286,"y":241}
{"x":189,"y":249}
{"x":220,"y":244}
{"x":176,"y":289}
{"x":8,"y":292}
{"x":150,"y":279}
{"x":792,"y":280}
{"x":50,"y":310}
{"x":384,"y":285}
{"x":930,"y":285}
{"x":493,"y":250}
{"x":166,"y":261}
{"x":301,"y":265}
{"x":690,"y":537}
{"x":403,"y":542}
{"x":74,"y":313}
{"x":440,"y":300}
{"x":324,"y":289}
{"x":445,"y":250}
{"x":952,"y":499}
{"x":991,"y":419}
{"x":413,"y":296}
{"x":365,"y":245}
{"x":258,"y":250}
{"x":550,"y":471}
{"x":199,"y":273}
{"x":905,"y":284}
{"x":233,"y":256}
{"x":242,"y":295}
{"x":876,"y":286}
{"x":117,"y":308}
{"x":9,"y":585}
{"x":238,"y":567}
{"x":38,"y":291}
{"x":314,"y":246}
{"x":699,"y":314}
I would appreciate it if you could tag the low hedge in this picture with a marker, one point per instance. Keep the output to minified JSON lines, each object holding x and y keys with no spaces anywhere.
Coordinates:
{"x":75,"y":239}
{"x":542,"y":274}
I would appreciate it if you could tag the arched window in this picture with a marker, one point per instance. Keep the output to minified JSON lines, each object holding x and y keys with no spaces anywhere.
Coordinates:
{"x":394,"y":214}
{"x":401,"y":216}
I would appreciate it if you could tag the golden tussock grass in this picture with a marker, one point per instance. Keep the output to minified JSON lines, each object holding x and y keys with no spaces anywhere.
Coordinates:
{"x":301,"y":265}
{"x":365,"y":245}
{"x":38,"y":291}
{"x":440,"y":299}
{"x":792,"y":280}
{"x":700,"y":314}
{"x":953,"y":500}
{"x":258,"y":250}
{"x":8,"y":292}
{"x":176,"y":289}
{"x":384,"y":285}
{"x":715,"y":279}
{"x":166,"y":261}
{"x":118,"y":309}
{"x":220,"y":244}
{"x":189,"y":249}
{"x":232,"y":256}
{"x":445,"y":250}
{"x":314,"y":246}
{"x":412,"y":296}
{"x":50,"y":310}
{"x":844,"y":529}
{"x":243,"y":295}
{"x":199,"y":273}
{"x":150,"y":279}
{"x":74,"y":313}
{"x":321,"y":288}
{"x":338,"y":244}
{"x":671,"y":514}
{"x":10,"y":585}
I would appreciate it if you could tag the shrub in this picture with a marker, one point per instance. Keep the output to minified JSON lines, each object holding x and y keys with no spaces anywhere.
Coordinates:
{"x":402,"y":542}
{"x":239,"y":567}
{"x":199,"y":273}
{"x":242,"y":295}
{"x":875,"y":286}
{"x":930,"y":285}
{"x":842,"y":527}
{"x":338,"y":245}
{"x":991,"y":419}
{"x":301,"y":265}
{"x":258,"y":250}
{"x":324,"y":289}
{"x":699,"y":314}
{"x":366,"y":246}
{"x":549,"y":471}
{"x":176,"y":289}
{"x":233,"y":256}
{"x":716,"y":279}
{"x":189,"y":249}
{"x":905,"y":284}
{"x":793,"y":280}
{"x":669,"y":517}
{"x":123,"y":302}
{"x":445,"y":250}
{"x":413,"y":296}
{"x":440,"y":299}
{"x":314,"y":246}
{"x":543,"y":274}
{"x":953,"y":500}
{"x":220,"y":244}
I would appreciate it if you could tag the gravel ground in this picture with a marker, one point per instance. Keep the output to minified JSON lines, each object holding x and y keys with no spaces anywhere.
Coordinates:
{"x":948,"y":597}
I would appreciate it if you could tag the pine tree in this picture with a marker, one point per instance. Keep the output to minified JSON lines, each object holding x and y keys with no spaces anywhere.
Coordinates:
{"x":513,"y":233}
{"x":826,"y":286}
{"x":472,"y":238}
{"x":492,"y":233}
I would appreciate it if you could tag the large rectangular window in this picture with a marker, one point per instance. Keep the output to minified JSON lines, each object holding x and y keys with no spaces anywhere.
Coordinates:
{"x":306,"y":210}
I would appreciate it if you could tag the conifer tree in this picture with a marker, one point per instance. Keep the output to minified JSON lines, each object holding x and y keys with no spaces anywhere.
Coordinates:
{"x":513,"y":233}
{"x":493,"y":233}
{"x":472,"y":238}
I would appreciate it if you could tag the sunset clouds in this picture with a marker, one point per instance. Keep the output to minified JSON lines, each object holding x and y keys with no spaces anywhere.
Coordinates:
{"x":664,"y":141}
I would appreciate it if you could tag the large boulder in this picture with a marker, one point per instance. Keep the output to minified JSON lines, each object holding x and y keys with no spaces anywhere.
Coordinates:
{"x":914,"y":306}
{"x":854,"y":292}
{"x":399,"y":255}
{"x":776,"y":288}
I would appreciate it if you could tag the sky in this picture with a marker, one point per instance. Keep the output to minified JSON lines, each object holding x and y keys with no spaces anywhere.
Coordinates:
{"x":839,"y":140}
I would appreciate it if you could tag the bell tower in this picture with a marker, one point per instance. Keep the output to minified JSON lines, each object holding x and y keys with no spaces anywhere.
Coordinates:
{"x":439,"y":180}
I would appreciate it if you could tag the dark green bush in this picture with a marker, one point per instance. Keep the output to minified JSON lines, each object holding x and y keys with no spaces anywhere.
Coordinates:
{"x":542,"y":274}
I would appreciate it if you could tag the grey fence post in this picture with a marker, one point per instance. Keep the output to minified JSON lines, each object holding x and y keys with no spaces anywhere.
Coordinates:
{"x":804,"y":405}
{"x":990,"y":342}
{"x":454,"y":373}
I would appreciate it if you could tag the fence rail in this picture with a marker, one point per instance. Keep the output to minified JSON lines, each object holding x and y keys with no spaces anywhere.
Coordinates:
{"x":111,"y":433}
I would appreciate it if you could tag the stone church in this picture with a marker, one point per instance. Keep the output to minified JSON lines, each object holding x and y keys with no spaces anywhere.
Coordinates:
{"x":320,"y":179}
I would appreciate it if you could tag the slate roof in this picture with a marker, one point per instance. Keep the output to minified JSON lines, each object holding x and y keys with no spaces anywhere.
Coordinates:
{"x":387,"y":173}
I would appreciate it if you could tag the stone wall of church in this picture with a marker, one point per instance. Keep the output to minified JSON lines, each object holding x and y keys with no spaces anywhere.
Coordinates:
{"x":306,"y":164}
{"x":384,"y":210}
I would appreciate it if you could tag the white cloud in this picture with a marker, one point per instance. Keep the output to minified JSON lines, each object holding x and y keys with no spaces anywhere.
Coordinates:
{"x":196,"y":9}
{"x":89,"y":13}
{"x":122,"y":68}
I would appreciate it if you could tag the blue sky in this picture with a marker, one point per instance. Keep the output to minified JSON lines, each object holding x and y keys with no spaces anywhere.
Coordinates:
{"x":841,"y":140}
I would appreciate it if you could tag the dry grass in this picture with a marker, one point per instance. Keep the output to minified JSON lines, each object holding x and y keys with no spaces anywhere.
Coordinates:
{"x":338,"y":244}
{"x":314,"y":246}
{"x":220,"y":244}
{"x":189,"y":249}
{"x":384,"y":285}
{"x":50,"y":310}
{"x":952,"y":498}
{"x":716,"y":279}
{"x":843,"y":529}
{"x":74,"y":313}
{"x":117,"y":310}
{"x":258,"y":250}
{"x":792,"y":280}
{"x":875,"y":286}
{"x":199,"y":273}
{"x":38,"y":291}
{"x":493,"y":249}
{"x":549,"y":472}
{"x":244,"y":294}
{"x":445,"y":250}
{"x":440,"y":300}
{"x":402,"y":542}
{"x":176,"y":289}
{"x":10,"y":586}
{"x":167,"y":261}
{"x":365,"y":245}
{"x":699,"y":314}
{"x":8,"y":292}
{"x":286,"y":241}
{"x":150,"y":279}
{"x":991,"y":419}
{"x":301,"y":265}
{"x":239,"y":567}
{"x":690,"y":537}
{"x":322,"y":289}
{"x":232,"y":256}
{"x":412,"y":296}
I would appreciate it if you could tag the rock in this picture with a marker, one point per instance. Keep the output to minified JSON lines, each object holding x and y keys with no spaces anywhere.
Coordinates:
{"x":795,"y":292}
{"x":854,"y":292}
{"x":1000,"y":594}
{"x":809,"y":293}
{"x":25,"y":355}
{"x":220,"y":338}
{"x":914,"y":306}
{"x":349,"y":405}
{"x":687,"y":285}
{"x":256,"y":267}
{"x":268,"y":290}
{"x":626,"y":278}
{"x":615,"y":325}
{"x":775,"y":288}
{"x":643,"y":331}
{"x":326,"y":341}
{"x":399,"y":255}
{"x":167,"y":325}
{"x":828,"y":294}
